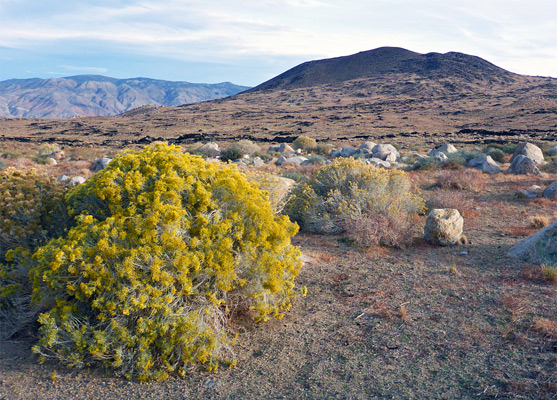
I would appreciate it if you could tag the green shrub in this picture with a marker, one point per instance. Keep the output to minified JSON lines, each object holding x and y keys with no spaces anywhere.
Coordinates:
{"x":349,"y":189}
{"x":45,"y":150}
{"x":165,"y":247}
{"x":245,"y":146}
{"x":305,"y":143}
{"x":231,"y":154}
{"x":496,"y":153}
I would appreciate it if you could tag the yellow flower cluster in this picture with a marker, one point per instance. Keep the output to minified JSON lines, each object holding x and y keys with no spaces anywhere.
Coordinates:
{"x":165,"y":245}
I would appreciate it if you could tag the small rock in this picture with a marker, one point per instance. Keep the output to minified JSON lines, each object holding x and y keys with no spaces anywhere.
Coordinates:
{"x":51,"y":161}
{"x":100,"y":164}
{"x":463,"y":253}
{"x":551,"y":191}
{"x":76,"y":180}
{"x":63,"y":179}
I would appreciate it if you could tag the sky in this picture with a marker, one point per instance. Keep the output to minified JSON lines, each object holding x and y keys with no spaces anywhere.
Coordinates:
{"x":248,"y":42}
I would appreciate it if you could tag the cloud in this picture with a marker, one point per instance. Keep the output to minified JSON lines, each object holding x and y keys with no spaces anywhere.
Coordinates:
{"x":93,"y":70}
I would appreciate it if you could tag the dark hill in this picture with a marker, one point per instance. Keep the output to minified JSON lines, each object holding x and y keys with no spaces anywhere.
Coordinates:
{"x":95,"y":95}
{"x":384,"y":60}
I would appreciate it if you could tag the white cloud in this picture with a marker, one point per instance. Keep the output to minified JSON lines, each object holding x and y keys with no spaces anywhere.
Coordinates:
{"x":93,"y":70}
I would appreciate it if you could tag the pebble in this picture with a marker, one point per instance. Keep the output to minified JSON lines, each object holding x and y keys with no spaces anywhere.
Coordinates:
{"x":463,"y":253}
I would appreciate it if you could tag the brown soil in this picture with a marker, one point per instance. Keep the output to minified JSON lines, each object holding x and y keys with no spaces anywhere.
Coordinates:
{"x":423,"y":322}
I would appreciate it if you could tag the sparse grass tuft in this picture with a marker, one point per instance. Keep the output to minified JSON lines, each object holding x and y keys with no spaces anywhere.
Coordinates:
{"x":539,"y":222}
{"x":545,"y":327}
{"x":549,"y":273}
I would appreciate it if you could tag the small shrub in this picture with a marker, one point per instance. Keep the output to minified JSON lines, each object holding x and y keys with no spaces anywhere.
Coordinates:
{"x":539,"y":222}
{"x":45,"y":150}
{"x":316,"y":159}
{"x":245,"y":146}
{"x":165,"y":247}
{"x":373,"y":229}
{"x":545,"y":327}
{"x":305,"y":143}
{"x":496,"y":153}
{"x":347,"y":190}
{"x":507,"y":148}
{"x":323,"y":149}
{"x":231,"y":154}
{"x":549,"y":273}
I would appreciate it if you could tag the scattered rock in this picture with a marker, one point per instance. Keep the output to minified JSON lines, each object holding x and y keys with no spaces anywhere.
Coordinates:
{"x":63,"y":179}
{"x":378,"y":162}
{"x":210,"y":149}
{"x":344,"y":152}
{"x":281,"y":148}
{"x":100,"y":164}
{"x":382,"y":151}
{"x":58,"y":155}
{"x":443,"y":226}
{"x":438,"y":156}
{"x":528,"y":194}
{"x":281,"y":160}
{"x":540,"y":248}
{"x":447,"y":148}
{"x":369,"y":146}
{"x":485,"y":164}
{"x":295,"y":160}
{"x":522,"y":165}
{"x":51,"y":161}
{"x":76,"y":180}
{"x":529,"y":150}
{"x":551,"y":191}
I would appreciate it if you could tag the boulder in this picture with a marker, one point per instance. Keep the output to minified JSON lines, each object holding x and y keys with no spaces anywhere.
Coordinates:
{"x":522,"y":165}
{"x":485,"y":164}
{"x":382,"y":151}
{"x":529,"y":150}
{"x":540,"y":248}
{"x":367,"y":146}
{"x":438,"y":156}
{"x":100,"y":164}
{"x":379,"y":162}
{"x":76,"y":180}
{"x":344,"y":152}
{"x":391,"y":157}
{"x":551,"y":191}
{"x":63,"y":179}
{"x":210,"y":149}
{"x":447,"y":148}
{"x":281,"y":160}
{"x":443,"y":227}
{"x":295,"y":160}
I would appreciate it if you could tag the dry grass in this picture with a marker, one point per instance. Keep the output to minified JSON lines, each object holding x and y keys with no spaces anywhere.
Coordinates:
{"x":460,"y":179}
{"x":549,"y":273}
{"x":545,"y":327}
{"x":442,"y":198}
{"x":539,"y":222}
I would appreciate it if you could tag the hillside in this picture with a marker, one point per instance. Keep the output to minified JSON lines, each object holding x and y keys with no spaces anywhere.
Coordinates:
{"x":429,"y":98}
{"x":385,"y":60}
{"x":93,"y":95}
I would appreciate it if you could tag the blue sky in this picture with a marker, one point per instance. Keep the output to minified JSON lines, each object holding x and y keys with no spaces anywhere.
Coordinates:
{"x":248,"y":42}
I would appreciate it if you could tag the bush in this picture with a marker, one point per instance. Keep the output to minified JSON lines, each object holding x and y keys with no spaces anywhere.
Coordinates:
{"x":44,"y":152}
{"x":165,"y":247}
{"x":496,"y":153}
{"x":305,"y":143}
{"x":348,"y":190}
{"x":32,"y":211}
{"x":245,"y":146}
{"x":231,"y":154}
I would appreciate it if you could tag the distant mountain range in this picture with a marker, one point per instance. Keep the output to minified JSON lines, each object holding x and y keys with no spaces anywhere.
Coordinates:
{"x":95,"y":95}
{"x":387,"y":60}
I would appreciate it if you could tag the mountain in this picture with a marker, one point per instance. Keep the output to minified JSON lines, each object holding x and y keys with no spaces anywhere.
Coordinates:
{"x":383,"y":95}
{"x":94,"y":95}
{"x":384,"y":60}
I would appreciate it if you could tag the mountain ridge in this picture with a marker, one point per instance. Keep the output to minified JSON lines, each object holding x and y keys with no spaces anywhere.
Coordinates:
{"x":98,"y":95}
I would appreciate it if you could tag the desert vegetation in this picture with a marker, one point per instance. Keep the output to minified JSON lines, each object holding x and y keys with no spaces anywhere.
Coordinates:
{"x":156,"y":267}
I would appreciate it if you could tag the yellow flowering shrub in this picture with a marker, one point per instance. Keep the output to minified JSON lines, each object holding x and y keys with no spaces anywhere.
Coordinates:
{"x":349,"y":190}
{"x":164,"y":247}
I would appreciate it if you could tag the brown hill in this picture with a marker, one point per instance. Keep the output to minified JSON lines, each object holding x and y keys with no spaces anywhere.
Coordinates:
{"x":428,"y":99}
{"x":385,"y":60}
{"x":94,"y":95}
